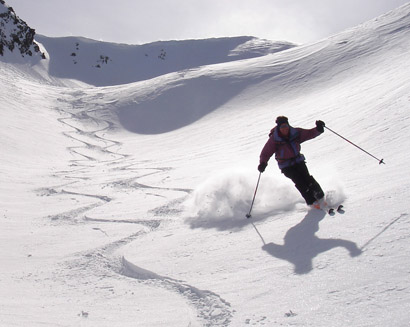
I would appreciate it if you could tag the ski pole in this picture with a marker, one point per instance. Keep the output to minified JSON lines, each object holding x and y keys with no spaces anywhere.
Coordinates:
{"x":379,"y":160}
{"x":248,"y":215}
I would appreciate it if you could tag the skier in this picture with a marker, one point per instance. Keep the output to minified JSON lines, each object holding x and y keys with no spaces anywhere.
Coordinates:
{"x":284,"y":141}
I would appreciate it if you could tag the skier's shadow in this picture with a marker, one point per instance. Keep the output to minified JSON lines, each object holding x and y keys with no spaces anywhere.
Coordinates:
{"x":301,"y":245}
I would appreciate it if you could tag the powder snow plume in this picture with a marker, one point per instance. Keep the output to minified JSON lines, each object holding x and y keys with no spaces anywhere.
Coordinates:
{"x":223,"y":200}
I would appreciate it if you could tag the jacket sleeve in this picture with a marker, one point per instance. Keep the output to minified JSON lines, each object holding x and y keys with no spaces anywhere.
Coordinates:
{"x":268,"y":150}
{"x":308,"y":134}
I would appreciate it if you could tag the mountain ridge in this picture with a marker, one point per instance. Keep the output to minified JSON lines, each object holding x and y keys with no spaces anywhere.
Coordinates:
{"x":104,"y":63}
{"x":16,"y":34}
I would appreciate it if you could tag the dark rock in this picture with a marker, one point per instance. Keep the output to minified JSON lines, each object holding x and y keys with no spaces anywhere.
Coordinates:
{"x":15,"y":34}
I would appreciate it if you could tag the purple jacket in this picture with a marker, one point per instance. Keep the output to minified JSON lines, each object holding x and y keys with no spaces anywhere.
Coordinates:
{"x":287,"y":150}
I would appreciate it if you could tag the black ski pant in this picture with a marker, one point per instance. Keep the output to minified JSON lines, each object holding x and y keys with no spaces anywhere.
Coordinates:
{"x":304,"y":182}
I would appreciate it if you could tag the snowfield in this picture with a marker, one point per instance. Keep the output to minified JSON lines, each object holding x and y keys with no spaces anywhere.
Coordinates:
{"x":123,"y":196}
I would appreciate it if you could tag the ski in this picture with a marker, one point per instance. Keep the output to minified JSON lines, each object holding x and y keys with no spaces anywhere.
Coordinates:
{"x":339,"y":209}
{"x":323,"y":205}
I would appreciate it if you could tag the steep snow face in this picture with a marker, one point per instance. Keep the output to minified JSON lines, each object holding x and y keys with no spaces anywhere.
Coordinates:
{"x":125,"y":204}
{"x":175,"y":101}
{"x":101,"y":64}
{"x":15,"y":34}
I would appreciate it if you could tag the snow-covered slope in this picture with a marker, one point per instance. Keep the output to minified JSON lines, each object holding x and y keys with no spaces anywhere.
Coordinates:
{"x":102,"y":64}
{"x":125,"y":205}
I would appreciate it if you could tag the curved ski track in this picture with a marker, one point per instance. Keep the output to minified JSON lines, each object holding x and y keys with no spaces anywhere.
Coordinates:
{"x":95,"y":154}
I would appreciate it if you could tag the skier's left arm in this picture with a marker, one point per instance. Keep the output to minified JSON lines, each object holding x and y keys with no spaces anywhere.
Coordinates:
{"x":308,"y":134}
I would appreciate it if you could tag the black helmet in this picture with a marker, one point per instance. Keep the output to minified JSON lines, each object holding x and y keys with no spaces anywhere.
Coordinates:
{"x":282,"y":120}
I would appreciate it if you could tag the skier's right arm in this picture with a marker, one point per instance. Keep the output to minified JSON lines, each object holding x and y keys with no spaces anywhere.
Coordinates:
{"x":267,"y":152}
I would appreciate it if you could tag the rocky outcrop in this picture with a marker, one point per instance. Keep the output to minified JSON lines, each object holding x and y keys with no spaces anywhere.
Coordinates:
{"x":15,"y":34}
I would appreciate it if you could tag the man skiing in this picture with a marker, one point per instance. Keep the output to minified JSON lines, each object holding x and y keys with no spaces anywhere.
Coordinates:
{"x":284,"y":141}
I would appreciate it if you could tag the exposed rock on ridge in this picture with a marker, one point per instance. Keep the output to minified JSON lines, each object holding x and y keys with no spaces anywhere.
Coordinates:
{"x":16,"y":34}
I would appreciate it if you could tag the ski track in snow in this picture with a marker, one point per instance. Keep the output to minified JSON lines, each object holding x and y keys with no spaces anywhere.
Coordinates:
{"x":212,"y":309}
{"x":105,"y":261}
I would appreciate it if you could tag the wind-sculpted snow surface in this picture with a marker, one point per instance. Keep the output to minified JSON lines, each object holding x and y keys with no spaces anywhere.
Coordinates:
{"x":180,"y":104}
{"x":102,"y":64}
{"x":125,"y":205}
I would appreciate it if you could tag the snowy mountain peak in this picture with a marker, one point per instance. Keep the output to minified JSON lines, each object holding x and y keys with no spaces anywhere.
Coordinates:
{"x":15,"y":33}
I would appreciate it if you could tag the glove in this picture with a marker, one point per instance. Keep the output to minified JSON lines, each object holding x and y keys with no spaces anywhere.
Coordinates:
{"x":262,"y":166}
{"x":320,"y":126}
